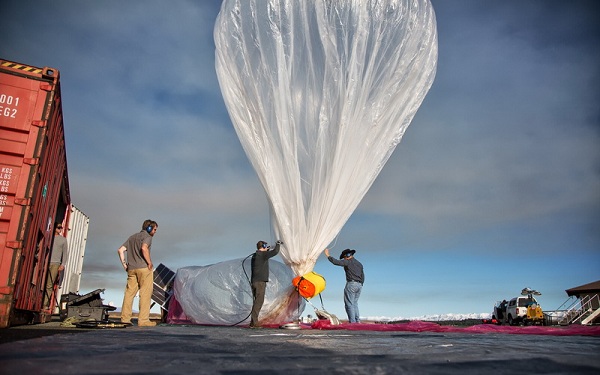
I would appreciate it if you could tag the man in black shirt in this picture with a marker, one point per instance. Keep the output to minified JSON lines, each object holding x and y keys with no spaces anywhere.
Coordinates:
{"x":260,"y":277}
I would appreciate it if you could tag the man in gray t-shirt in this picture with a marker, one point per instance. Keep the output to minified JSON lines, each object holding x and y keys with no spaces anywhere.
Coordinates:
{"x":58,"y":257}
{"x":140,"y":271}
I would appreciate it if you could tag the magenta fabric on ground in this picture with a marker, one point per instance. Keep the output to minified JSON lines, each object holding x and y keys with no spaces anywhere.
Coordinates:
{"x":418,"y":326}
{"x":176,"y":314}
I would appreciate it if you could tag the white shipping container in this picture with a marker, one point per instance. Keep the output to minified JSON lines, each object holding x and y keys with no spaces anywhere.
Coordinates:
{"x":77,"y":229}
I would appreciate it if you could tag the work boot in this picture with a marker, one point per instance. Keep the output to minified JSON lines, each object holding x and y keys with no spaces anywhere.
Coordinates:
{"x":148,"y":323}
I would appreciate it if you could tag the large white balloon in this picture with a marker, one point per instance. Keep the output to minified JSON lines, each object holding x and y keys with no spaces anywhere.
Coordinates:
{"x":320,"y":93}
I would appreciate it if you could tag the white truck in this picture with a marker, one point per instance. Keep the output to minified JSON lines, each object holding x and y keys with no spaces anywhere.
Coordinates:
{"x":524,"y":310}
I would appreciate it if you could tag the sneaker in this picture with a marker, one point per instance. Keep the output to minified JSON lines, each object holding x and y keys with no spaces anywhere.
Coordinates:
{"x":146,"y":324}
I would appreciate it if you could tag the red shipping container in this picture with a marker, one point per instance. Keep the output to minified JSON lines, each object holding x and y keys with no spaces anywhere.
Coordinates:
{"x":34,"y":186}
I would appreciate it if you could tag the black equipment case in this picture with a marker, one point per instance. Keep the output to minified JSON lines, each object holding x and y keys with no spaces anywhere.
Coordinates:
{"x":86,"y":307}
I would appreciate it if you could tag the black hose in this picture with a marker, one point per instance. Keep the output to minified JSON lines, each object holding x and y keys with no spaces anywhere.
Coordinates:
{"x":250,"y":283}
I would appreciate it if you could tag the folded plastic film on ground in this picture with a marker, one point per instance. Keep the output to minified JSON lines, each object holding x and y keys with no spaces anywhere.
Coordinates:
{"x":220,"y":294}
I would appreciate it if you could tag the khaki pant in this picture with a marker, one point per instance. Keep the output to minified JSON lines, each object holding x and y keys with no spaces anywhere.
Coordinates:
{"x":50,"y":281}
{"x":140,"y":280}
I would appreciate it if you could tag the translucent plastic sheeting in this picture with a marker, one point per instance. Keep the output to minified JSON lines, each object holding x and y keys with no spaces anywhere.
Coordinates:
{"x":220,"y":294}
{"x":320,"y":92}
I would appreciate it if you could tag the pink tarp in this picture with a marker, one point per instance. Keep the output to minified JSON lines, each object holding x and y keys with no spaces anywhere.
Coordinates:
{"x":418,"y":326}
{"x":177,"y":316}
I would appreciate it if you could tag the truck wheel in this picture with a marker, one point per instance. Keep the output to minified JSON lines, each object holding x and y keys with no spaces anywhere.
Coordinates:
{"x":511,"y":322}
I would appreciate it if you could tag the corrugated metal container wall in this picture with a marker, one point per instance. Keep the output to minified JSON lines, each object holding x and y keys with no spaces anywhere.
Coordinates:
{"x":77,"y":224}
{"x":34,"y":186}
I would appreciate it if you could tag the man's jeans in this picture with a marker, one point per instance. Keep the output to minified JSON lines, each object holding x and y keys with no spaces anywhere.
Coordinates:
{"x":351,"y":294}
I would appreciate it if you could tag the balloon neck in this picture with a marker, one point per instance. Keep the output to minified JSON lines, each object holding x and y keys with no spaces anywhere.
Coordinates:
{"x":302,"y":268}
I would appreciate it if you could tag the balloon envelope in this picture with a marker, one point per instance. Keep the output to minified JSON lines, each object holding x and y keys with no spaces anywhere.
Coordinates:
{"x":320,"y":92}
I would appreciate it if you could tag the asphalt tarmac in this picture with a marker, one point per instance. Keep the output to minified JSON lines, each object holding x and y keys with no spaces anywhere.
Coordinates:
{"x":188,"y":349}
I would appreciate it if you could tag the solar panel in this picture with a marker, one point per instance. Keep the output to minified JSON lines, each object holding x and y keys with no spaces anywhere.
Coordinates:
{"x":162,"y":288}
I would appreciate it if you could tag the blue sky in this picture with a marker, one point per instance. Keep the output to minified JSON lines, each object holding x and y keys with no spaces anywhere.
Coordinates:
{"x":494,"y":187}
